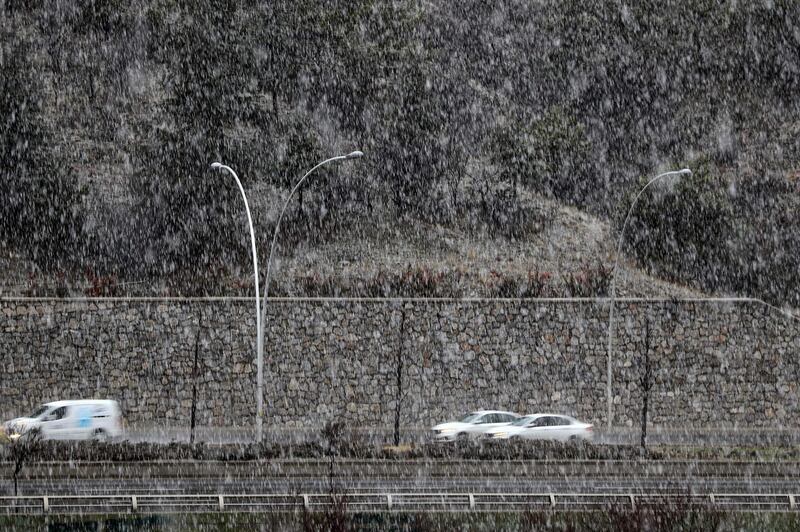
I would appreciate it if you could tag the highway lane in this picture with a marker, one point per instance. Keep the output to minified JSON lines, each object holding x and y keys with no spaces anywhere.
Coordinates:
{"x":403,"y":476}
{"x":701,"y":437}
{"x":681,"y":485}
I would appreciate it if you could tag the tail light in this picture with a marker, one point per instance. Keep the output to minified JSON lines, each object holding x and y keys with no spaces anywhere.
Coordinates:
{"x":590,"y":428}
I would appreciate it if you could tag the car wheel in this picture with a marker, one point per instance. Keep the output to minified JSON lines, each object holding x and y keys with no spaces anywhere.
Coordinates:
{"x":100,"y":436}
{"x":462,"y":436}
{"x":515,"y":438}
{"x":573,"y":438}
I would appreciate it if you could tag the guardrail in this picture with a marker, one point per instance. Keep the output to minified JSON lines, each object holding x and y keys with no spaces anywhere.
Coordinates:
{"x":383,"y":502}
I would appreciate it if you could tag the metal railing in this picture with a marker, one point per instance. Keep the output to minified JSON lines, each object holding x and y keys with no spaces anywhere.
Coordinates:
{"x":383,"y":502}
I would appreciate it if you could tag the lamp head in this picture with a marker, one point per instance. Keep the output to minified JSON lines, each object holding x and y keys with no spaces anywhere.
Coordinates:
{"x":685,"y":171}
{"x":216,"y":166}
{"x":354,"y":155}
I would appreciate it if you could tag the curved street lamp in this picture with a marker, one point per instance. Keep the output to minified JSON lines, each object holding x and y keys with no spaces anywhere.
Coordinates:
{"x":610,"y":397}
{"x":260,"y":379}
{"x":259,"y":331}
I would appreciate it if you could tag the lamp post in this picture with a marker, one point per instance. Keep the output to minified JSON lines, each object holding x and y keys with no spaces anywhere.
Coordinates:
{"x":259,"y":329}
{"x":609,"y":395}
{"x":260,"y":378}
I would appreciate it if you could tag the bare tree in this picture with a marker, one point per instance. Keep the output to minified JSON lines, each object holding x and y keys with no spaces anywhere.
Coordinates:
{"x":645,"y":381}
{"x":399,"y":389}
{"x":335,"y":517}
{"x":195,"y":376}
{"x":21,"y":450}
{"x":194,"y":381}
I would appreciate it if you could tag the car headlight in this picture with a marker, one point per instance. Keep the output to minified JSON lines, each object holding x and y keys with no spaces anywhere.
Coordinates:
{"x":447,"y":431}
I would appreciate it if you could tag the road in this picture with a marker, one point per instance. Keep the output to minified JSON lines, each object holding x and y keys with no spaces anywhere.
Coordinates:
{"x":480,"y":476}
{"x":702,"y":437}
{"x":455,"y":485}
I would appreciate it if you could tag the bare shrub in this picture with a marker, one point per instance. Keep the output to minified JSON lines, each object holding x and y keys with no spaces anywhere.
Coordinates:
{"x":679,"y":514}
{"x":590,"y":281}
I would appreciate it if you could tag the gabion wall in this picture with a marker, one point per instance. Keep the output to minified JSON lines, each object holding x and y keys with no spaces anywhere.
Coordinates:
{"x":714,"y":363}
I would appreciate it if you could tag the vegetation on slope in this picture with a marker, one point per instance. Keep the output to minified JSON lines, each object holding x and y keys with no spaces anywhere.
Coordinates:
{"x":113,"y":112}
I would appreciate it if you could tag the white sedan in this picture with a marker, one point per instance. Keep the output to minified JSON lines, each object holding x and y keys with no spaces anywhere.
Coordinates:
{"x":544,"y":427}
{"x":473,"y":424}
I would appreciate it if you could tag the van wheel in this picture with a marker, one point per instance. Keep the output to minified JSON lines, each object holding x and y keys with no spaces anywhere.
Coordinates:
{"x":100,"y":436}
{"x":33,"y":435}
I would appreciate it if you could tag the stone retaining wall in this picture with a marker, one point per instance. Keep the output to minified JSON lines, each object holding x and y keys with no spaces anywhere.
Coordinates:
{"x":715,"y":363}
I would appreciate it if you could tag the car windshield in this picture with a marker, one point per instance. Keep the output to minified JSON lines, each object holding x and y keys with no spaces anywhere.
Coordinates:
{"x":39,"y":411}
{"x":470,"y":418}
{"x":521,"y":421}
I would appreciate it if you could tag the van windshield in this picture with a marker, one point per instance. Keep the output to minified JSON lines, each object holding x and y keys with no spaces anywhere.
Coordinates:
{"x":39,"y":411}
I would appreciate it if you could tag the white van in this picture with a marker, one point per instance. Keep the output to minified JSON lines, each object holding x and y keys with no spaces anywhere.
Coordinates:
{"x":98,"y":419}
